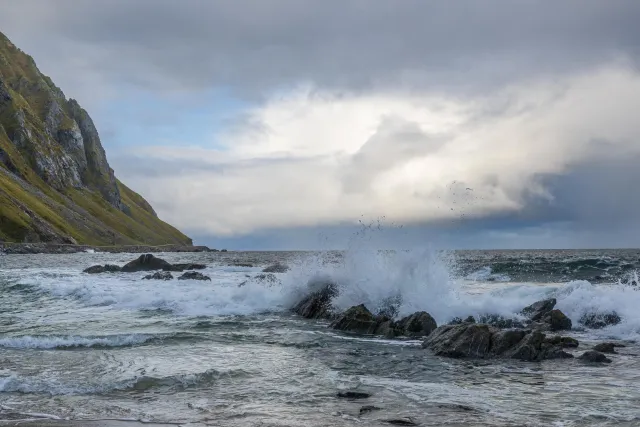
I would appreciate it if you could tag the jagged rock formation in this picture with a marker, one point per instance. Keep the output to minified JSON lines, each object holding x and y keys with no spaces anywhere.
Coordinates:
{"x":55,"y":182}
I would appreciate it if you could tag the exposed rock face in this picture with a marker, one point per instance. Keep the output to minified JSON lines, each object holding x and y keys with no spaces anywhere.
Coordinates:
{"x":159,"y":275}
{"x":146,"y":262}
{"x":539,"y":309}
{"x":419,"y":324}
{"x":607,"y":347}
{"x":55,"y":181}
{"x":317,"y":305}
{"x":276,"y":268}
{"x":357,"y":319}
{"x":557,"y":321}
{"x":594,"y":357}
{"x":194,"y":275}
{"x":107,"y":268}
{"x":485,"y":341}
{"x":600,"y":320}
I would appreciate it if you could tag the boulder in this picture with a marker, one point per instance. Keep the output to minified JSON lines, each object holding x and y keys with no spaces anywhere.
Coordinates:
{"x":419,"y":324}
{"x":486,"y":341}
{"x":458,"y":320}
{"x":353,"y":395}
{"x":539,"y":309}
{"x":317,"y":304}
{"x":159,"y":275}
{"x":606,"y":347}
{"x":146,"y":262}
{"x":594,"y":357}
{"x":368,"y":408}
{"x":357,"y":319}
{"x":599,"y":320}
{"x":194,"y":275}
{"x":500,"y":321}
{"x":557,"y":321}
{"x":184,"y":266}
{"x":564,"y":342}
{"x":276,"y":268}
{"x":387,"y":327}
{"x":107,"y":268}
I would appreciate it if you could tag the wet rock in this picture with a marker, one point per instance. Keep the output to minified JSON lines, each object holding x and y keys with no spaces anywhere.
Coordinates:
{"x":159,"y":275}
{"x":107,"y":268}
{"x":564,"y":342}
{"x":458,"y":341}
{"x":357,"y":319}
{"x":594,"y":357}
{"x":503,"y":341}
{"x":185,"y":266}
{"x":606,"y":347}
{"x":353,"y":395}
{"x":194,"y":275}
{"x":419,"y":324}
{"x":276,"y":268}
{"x":599,"y":320}
{"x":145,"y":262}
{"x":500,"y":321}
{"x":557,"y":321}
{"x":242,"y":264}
{"x":539,"y":309}
{"x":459,"y":320}
{"x":317,"y":304}
{"x":368,"y":408}
{"x":387,"y":327}
{"x":400,"y":422}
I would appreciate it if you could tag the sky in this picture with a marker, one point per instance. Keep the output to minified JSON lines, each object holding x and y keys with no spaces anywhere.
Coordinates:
{"x":298,"y":124}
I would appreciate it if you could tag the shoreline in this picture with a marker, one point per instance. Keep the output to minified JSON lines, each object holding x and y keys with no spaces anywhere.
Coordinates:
{"x":61,"y":248}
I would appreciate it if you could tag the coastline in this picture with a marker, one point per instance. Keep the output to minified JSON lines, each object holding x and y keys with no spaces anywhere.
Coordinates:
{"x":60,"y":248}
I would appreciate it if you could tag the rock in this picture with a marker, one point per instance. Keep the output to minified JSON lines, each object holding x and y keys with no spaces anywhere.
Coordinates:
{"x":594,"y":357}
{"x":485,"y":341}
{"x":400,"y":422}
{"x":419,"y":324}
{"x":387,"y":327}
{"x":368,"y":408}
{"x":184,"y":266}
{"x":539,"y":309}
{"x":317,"y":305}
{"x":599,"y":320}
{"x":606,"y":347}
{"x":500,"y":322}
{"x":107,"y":268}
{"x":357,"y":319}
{"x":276,"y":268}
{"x":159,"y":275}
{"x":194,"y":275}
{"x":242,"y":264}
{"x":564,"y":342}
{"x":353,"y":395}
{"x":458,"y":320}
{"x":557,"y":321}
{"x":146,"y":262}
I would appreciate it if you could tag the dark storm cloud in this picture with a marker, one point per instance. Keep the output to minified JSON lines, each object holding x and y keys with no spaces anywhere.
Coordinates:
{"x":352,"y":44}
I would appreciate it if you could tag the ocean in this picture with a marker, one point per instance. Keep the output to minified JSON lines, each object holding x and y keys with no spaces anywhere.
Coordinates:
{"x":228,"y":351}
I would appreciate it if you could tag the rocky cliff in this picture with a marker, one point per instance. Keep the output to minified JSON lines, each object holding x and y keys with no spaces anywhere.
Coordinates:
{"x":55,"y":182}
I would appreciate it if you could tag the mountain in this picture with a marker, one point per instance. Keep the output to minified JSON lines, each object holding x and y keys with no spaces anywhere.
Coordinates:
{"x":55,"y":182}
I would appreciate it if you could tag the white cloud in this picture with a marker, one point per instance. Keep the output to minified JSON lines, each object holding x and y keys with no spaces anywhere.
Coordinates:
{"x":309,"y":158}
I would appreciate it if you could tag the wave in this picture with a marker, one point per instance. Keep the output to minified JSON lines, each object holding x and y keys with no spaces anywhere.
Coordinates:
{"x":53,"y":386}
{"x":64,"y":342}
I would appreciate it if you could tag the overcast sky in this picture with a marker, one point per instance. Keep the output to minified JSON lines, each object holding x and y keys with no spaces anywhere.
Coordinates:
{"x":282,"y":124}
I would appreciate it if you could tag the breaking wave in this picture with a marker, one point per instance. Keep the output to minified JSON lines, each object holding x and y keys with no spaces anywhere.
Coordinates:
{"x":76,"y":341}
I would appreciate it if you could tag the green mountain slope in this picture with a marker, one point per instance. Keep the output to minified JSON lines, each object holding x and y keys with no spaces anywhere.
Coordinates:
{"x":55,"y":182}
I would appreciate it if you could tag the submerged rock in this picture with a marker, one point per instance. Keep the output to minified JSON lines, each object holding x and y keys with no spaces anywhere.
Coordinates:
{"x":566,"y":342}
{"x":357,"y":319}
{"x":194,"y":275}
{"x":599,"y":320}
{"x":317,"y":304}
{"x":594,"y":357}
{"x":606,"y":347}
{"x":539,"y":309}
{"x":486,"y":341}
{"x":353,"y":395}
{"x":184,"y":266}
{"x":159,"y":275}
{"x":419,"y":324}
{"x":400,"y":422}
{"x":146,"y":262}
{"x":107,"y":268}
{"x":368,"y":408}
{"x":276,"y":268}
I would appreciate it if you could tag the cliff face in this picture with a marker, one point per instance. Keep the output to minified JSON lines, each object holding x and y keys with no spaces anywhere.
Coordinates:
{"x":55,"y":181}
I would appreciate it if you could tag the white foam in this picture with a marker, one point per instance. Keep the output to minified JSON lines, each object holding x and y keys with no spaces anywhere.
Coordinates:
{"x":48,"y":342}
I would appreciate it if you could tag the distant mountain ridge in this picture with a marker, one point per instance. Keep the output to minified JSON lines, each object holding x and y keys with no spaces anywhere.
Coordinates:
{"x":56,"y":184}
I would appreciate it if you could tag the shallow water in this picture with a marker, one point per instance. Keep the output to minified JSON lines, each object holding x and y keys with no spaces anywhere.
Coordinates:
{"x":216,"y":353}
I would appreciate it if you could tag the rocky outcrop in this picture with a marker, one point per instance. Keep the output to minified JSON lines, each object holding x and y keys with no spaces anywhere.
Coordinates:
{"x":194,"y":275}
{"x":184,"y":266}
{"x":419,"y":324}
{"x":539,"y":309}
{"x":317,"y":304}
{"x":557,"y":321}
{"x":357,"y":319}
{"x":592,"y":356}
{"x":146,"y":262}
{"x":159,"y":275}
{"x":107,"y":268}
{"x":599,"y":320}
{"x":276,"y":268}
{"x":607,"y":347}
{"x":484,"y":341}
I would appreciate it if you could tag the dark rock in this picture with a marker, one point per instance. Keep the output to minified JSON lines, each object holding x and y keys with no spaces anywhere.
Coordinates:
{"x":107,"y":268}
{"x":353,"y":395}
{"x":386,"y":327}
{"x":185,"y":266}
{"x":276,"y":268}
{"x":159,"y":275}
{"x":458,"y":320}
{"x":557,"y":321}
{"x":241,"y":264}
{"x":194,"y":275}
{"x":317,"y":305}
{"x":458,"y":341}
{"x":146,"y":262}
{"x":400,"y":422}
{"x":539,"y":309}
{"x":594,"y":357}
{"x":368,"y":408}
{"x":606,"y":347}
{"x":599,"y":320}
{"x":357,"y":319}
{"x":502,"y":341}
{"x":419,"y":324}
{"x":500,"y":322}
{"x":564,"y":342}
